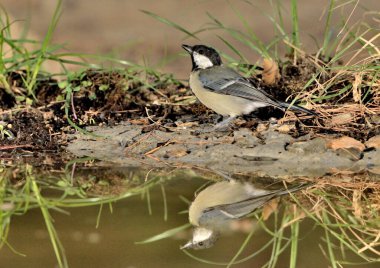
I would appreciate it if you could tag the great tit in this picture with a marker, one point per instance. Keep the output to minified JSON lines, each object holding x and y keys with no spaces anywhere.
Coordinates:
{"x":220,"y":203}
{"x":224,"y":90}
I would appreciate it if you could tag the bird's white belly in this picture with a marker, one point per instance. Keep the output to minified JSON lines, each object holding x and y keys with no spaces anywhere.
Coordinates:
{"x":221,"y":104}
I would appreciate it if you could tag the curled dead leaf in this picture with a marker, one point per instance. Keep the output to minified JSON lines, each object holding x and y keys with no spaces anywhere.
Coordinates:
{"x":271,"y":73}
{"x":345,"y":143}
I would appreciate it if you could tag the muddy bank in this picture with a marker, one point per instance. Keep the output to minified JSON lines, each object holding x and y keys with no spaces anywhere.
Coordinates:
{"x":265,"y":151}
{"x":154,"y":120}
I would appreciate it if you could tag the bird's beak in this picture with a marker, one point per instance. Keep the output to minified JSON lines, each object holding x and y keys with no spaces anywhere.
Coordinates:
{"x":187,"y":245}
{"x":188,"y":48}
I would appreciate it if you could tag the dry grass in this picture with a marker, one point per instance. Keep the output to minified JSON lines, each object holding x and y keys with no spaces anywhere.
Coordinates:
{"x":347,"y":206}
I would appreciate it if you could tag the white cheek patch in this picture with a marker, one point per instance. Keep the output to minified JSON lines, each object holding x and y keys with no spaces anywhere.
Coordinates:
{"x":202,"y":61}
{"x":201,"y":234}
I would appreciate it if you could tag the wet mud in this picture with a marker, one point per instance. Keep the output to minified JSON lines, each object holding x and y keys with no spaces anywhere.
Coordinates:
{"x":266,"y":152}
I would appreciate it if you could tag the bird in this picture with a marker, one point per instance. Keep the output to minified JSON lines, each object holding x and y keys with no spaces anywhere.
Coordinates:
{"x":224,"y":201}
{"x":224,"y":90}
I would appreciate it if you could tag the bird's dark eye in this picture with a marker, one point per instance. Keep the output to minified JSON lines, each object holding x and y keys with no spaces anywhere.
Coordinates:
{"x":201,"y":51}
{"x":200,"y":244}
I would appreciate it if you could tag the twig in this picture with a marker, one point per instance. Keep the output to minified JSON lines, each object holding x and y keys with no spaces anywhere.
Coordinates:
{"x":72,"y":106}
{"x":10,"y":147}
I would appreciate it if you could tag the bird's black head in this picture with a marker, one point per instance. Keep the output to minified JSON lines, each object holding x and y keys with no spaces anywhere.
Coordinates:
{"x":203,"y":57}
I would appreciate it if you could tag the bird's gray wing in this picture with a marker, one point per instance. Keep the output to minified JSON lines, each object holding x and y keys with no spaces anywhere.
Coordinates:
{"x":242,"y":208}
{"x":226,"y":81}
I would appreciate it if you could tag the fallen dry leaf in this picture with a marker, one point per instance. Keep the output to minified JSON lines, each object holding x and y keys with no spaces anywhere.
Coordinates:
{"x":271,"y":73}
{"x":269,"y":208}
{"x":140,"y":121}
{"x":373,"y":142}
{"x":345,"y":143}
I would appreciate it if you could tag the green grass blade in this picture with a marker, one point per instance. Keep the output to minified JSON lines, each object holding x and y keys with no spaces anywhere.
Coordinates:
{"x":326,"y":34}
{"x":165,"y":234}
{"x":57,"y":246}
{"x":169,"y":23}
{"x":295,"y":25}
{"x":31,"y":81}
{"x":295,"y":227}
{"x":234,"y":49}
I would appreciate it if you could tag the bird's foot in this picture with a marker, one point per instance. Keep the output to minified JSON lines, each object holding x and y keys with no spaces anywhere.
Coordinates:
{"x":224,"y":125}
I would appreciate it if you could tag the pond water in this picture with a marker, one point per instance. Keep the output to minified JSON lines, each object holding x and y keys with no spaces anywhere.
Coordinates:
{"x":96,"y":216}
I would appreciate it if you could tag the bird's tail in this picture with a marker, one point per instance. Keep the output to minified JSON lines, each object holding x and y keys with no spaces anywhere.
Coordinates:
{"x":296,"y":108}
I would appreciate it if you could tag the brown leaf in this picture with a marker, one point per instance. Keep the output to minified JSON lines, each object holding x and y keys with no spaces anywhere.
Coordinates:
{"x":269,"y":208}
{"x":373,"y":142}
{"x":140,"y":121}
{"x":271,"y":73}
{"x":345,"y":143}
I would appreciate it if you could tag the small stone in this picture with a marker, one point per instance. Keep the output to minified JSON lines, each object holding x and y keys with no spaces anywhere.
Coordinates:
{"x":245,"y":138}
{"x":315,"y":146}
{"x":272,"y":136}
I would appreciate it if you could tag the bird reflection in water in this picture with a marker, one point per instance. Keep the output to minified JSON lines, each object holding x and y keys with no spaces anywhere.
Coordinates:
{"x":215,"y":207}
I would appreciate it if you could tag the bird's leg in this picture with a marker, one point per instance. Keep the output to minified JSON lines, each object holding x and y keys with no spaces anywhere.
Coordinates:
{"x":220,"y":127}
{"x":223,"y":126}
